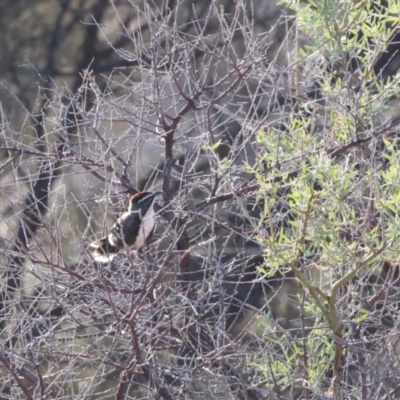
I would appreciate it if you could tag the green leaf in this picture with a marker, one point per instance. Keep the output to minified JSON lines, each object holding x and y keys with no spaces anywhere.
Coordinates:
{"x":364,"y":315}
{"x":216,"y":145}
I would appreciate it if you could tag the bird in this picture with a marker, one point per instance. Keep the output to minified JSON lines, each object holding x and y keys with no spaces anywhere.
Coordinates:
{"x":131,"y":230}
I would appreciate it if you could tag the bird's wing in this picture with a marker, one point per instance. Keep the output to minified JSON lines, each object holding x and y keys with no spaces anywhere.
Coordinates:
{"x":105,"y":251}
{"x":131,"y":225}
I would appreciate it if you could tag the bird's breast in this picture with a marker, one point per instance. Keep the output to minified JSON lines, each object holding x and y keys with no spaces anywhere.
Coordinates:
{"x":147,"y":225}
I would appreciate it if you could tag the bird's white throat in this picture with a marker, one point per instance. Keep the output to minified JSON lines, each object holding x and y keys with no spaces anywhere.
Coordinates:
{"x":146,"y":227}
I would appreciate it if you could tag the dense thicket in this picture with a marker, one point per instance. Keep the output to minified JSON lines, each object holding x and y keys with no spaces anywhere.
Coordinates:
{"x":271,"y":131}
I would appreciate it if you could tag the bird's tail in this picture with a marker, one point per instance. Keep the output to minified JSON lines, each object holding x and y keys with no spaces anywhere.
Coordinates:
{"x":104,"y":251}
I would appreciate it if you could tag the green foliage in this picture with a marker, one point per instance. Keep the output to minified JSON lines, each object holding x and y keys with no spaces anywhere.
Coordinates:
{"x":342,"y":208}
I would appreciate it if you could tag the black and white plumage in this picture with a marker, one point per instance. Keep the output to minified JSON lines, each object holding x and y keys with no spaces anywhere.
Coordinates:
{"x":131,"y":229}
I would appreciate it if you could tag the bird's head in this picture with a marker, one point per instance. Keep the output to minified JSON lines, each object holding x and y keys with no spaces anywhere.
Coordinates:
{"x":142,"y":201}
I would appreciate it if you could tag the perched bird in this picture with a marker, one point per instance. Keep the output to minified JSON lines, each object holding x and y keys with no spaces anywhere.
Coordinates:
{"x":131,"y":229}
